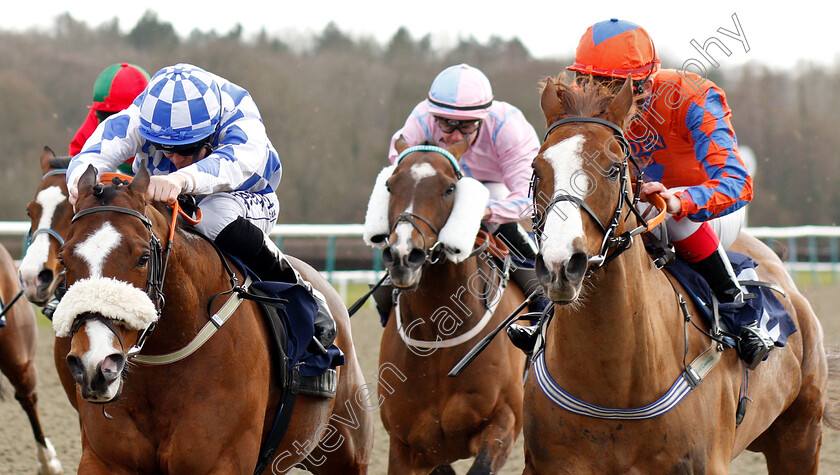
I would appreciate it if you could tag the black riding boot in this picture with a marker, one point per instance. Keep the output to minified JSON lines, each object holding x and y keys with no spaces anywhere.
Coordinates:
{"x":754,"y":342}
{"x":384,"y":299}
{"x":49,"y":308}
{"x":523,"y":337}
{"x":244,"y":240}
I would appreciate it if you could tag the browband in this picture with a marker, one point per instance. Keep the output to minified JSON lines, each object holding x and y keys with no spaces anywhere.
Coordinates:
{"x":433,"y":148}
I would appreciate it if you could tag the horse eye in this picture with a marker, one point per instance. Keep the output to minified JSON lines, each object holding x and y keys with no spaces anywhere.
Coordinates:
{"x":613,"y":172}
{"x":143,"y":260}
{"x":449,"y":191}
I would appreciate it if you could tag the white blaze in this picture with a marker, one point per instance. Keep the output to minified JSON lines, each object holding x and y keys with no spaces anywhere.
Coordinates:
{"x":563,"y":222}
{"x":422,"y":170}
{"x":38,"y":251}
{"x":404,"y":230}
{"x":419,"y":171}
{"x":95,"y":249}
{"x":101,"y":344}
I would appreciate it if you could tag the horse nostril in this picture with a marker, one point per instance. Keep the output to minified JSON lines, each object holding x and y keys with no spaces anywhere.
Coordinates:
{"x":74,"y":363}
{"x":543,"y":274}
{"x":112,"y":366}
{"x":415,"y":258}
{"x":576,"y":266}
{"x":387,"y":257}
{"x":45,"y":277}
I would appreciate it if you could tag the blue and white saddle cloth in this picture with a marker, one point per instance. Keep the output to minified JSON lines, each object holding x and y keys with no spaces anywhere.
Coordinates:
{"x":765,"y":308}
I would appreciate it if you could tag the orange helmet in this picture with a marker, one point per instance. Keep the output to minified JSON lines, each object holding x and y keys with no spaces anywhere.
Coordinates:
{"x":616,"y":48}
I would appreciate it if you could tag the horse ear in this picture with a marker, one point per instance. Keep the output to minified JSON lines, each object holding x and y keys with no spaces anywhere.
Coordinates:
{"x":140,"y":182}
{"x":86,"y":182}
{"x":550,"y":102}
{"x":460,"y":147}
{"x":46,"y":156}
{"x":400,"y":144}
{"x":620,"y":106}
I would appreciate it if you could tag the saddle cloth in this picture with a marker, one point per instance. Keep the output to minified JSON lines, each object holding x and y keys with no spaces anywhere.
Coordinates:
{"x":292,"y":328}
{"x":765,"y":308}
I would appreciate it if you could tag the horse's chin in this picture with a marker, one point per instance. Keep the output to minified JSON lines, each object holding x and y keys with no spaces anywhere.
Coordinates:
{"x":37,"y":296}
{"x":109,"y":394}
{"x":563,"y":293}
{"x":405,"y":278}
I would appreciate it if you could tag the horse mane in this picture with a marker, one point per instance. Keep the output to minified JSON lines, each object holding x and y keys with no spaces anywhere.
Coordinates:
{"x":60,"y":163}
{"x":584,"y":96}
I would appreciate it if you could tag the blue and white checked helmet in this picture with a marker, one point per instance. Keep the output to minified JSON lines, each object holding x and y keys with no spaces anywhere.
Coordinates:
{"x":181,"y":105}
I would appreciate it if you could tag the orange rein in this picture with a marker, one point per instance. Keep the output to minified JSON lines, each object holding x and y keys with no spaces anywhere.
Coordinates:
{"x":658,"y":202}
{"x":176,"y":209}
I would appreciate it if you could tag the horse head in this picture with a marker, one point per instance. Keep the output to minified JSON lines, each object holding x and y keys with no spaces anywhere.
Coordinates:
{"x":49,"y":214}
{"x":580,"y":183}
{"x":110,"y":255}
{"x":423,"y":210}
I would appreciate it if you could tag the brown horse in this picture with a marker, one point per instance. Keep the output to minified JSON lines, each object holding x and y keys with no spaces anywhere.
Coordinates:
{"x":17,"y":357}
{"x":209,"y":411}
{"x":40,"y":271}
{"x":429,"y":219}
{"x":619,"y":337}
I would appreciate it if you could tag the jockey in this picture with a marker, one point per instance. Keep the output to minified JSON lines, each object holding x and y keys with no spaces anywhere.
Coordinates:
{"x":683,"y":136}
{"x":197,"y":133}
{"x":114,"y":90}
{"x":502,"y":146}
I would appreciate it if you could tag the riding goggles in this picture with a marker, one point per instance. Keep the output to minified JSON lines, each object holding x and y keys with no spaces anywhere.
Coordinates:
{"x":466,"y":127}
{"x":185,"y":150}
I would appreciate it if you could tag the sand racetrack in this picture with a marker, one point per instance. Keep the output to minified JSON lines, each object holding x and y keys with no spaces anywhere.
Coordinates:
{"x":18,"y":453}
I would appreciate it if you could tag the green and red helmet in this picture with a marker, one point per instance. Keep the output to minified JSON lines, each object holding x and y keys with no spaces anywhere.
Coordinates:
{"x":616,"y":48}
{"x":117,"y":86}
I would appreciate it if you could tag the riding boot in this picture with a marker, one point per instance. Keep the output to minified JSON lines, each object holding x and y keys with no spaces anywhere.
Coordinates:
{"x":523,"y":337}
{"x":523,"y":274}
{"x":755,"y":343}
{"x":718,"y":272}
{"x":384,"y":299}
{"x":244,"y":240}
{"x":524,"y":256}
{"x":49,"y":308}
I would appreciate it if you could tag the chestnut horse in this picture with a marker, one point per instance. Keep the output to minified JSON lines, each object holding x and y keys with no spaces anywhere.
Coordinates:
{"x":426,"y":217}
{"x":40,"y":271}
{"x":619,"y":337}
{"x":209,"y":411}
{"x":17,"y":357}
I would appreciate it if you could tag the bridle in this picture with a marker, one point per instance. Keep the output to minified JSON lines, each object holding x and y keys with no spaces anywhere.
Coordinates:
{"x":618,"y":243}
{"x":435,"y":253}
{"x":158,"y":260}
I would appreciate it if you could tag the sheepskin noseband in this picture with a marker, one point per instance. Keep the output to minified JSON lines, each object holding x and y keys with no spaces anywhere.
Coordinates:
{"x":114,"y":299}
{"x":376,"y":218}
{"x":458,"y":234}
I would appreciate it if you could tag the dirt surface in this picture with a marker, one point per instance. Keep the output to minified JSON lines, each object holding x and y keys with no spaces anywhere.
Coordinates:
{"x":18,"y":453}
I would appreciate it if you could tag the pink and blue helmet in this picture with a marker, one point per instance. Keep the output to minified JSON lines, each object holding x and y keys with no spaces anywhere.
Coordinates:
{"x":460,"y":92}
{"x":181,"y":105}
